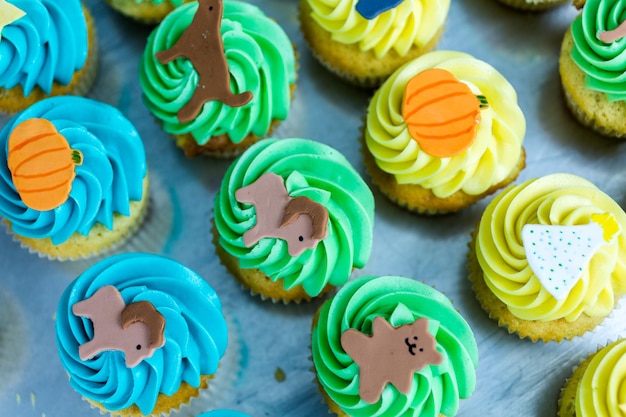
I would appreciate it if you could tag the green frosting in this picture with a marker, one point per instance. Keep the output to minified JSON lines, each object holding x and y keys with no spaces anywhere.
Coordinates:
{"x":312,"y":170}
{"x":260,"y":57}
{"x":436,"y":389}
{"x":604,"y":64}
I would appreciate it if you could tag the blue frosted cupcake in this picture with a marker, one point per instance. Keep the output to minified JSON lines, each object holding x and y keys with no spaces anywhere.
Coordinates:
{"x":47,"y":48}
{"x":87,"y":192}
{"x":140,"y":334}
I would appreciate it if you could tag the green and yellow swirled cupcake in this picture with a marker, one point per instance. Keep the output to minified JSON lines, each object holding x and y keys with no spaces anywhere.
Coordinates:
{"x":364,"y":41}
{"x":391,"y":346}
{"x":548,"y":258}
{"x":592,"y":65}
{"x":219,"y":98}
{"x":292,"y":219}
{"x":442,"y":132}
{"x":146,"y":11}
{"x":596,"y":388}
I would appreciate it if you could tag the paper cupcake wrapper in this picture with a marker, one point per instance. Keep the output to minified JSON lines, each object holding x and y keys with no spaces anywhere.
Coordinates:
{"x":585,"y":120}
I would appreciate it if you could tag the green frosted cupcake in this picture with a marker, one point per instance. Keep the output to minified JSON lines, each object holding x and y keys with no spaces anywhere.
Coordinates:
{"x":392,"y":346}
{"x":243,"y":88}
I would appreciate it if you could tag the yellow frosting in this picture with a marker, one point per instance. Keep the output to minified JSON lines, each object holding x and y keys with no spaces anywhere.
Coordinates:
{"x":412,"y":22}
{"x":489,"y":160}
{"x":557,"y":199}
{"x":602,"y":389}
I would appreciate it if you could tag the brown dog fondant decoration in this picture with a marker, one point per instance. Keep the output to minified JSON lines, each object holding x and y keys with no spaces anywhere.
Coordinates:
{"x":135,"y":329}
{"x":300,"y":221}
{"x":390,"y":354}
{"x":201,"y":43}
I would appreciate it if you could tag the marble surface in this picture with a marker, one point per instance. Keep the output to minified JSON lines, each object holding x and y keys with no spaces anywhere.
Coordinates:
{"x":271,"y":341}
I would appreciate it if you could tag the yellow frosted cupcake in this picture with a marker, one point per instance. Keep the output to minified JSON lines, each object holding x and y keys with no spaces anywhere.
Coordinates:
{"x":73,"y":177}
{"x":45,"y":50}
{"x":592,"y":64}
{"x":548,"y":258}
{"x":146,"y":11}
{"x":596,"y":388}
{"x":364,"y":41}
{"x":442,"y":132}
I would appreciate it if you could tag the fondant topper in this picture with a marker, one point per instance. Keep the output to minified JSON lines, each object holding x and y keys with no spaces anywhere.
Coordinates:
{"x":135,"y":329}
{"x":300,"y":221}
{"x":442,"y":113}
{"x":9,"y":14}
{"x":369,"y":9}
{"x":390,"y":354}
{"x":42,"y":164}
{"x":612,"y":35}
{"x":558,"y":255}
{"x":201,"y":43}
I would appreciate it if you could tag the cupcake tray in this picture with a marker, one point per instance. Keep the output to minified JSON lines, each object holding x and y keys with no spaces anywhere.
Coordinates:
{"x":267,"y":370}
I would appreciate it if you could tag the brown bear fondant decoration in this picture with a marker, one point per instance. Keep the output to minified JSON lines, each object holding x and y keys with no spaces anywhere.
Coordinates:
{"x":202,"y":44}
{"x":390,"y":354}
{"x":300,"y":221}
{"x":136,"y":329}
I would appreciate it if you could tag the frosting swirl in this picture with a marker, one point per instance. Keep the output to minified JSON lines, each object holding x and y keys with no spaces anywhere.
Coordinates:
{"x":489,"y":160}
{"x":47,"y":45}
{"x":604,"y":64}
{"x":600,"y":392}
{"x":411,"y":23}
{"x":557,"y":199}
{"x":195,"y":331}
{"x":110,"y":177}
{"x":435,"y":389}
{"x":312,"y":170}
{"x":260,"y":57}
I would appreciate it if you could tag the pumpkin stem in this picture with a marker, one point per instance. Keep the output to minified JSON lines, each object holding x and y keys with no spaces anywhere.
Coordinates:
{"x":77,"y":157}
{"x":484,"y":104}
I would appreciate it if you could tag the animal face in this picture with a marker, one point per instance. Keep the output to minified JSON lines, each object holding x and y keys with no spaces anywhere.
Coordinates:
{"x":134,"y":343}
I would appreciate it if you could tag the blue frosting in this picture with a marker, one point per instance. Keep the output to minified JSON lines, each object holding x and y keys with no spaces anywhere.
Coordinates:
{"x":195,"y":331}
{"x":48,"y":44}
{"x":110,"y":177}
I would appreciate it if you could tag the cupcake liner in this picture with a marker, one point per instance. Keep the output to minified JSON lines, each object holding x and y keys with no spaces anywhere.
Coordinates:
{"x":12,"y":341}
{"x":13,"y":100}
{"x":584,"y":119}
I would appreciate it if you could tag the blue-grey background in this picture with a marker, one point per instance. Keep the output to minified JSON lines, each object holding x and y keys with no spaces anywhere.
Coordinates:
{"x":515,"y":377}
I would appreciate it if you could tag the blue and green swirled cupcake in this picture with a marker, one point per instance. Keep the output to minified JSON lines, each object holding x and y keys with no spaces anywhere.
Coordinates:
{"x":140,"y":334}
{"x":392,"y":346}
{"x":73,"y":177}
{"x":46,"y":49}
{"x":592,"y":66}
{"x":292,"y":219}
{"x":223,"y":96}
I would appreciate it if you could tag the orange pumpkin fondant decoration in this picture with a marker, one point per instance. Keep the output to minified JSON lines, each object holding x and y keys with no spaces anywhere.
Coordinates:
{"x":441,"y":112}
{"x":41,"y":164}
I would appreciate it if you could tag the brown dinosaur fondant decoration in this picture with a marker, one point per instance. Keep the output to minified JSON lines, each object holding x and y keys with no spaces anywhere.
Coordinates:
{"x":390,"y":354}
{"x":136,"y":329}
{"x":300,"y":221}
{"x":202,"y":44}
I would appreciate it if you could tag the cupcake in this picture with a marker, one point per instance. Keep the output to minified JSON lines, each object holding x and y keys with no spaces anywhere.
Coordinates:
{"x":364,"y":41}
{"x":533,"y":5}
{"x":443,"y":132}
{"x":548,"y":258}
{"x":292,"y":219}
{"x":596,"y":387}
{"x":165,"y":334}
{"x":592,"y":67}
{"x":392,"y":346}
{"x":145,"y":11}
{"x":73,"y":177}
{"x":45,"y":50}
{"x":243,"y":89}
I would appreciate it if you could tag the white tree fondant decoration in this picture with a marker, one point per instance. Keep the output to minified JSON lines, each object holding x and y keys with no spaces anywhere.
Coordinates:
{"x":558,"y":255}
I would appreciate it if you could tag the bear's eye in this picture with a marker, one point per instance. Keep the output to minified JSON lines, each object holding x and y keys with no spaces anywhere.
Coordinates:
{"x":210,"y":8}
{"x":300,"y":238}
{"x":138,"y":347}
